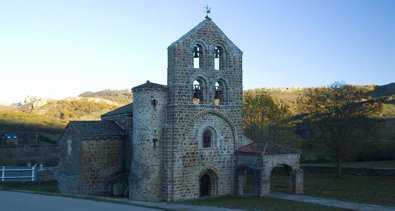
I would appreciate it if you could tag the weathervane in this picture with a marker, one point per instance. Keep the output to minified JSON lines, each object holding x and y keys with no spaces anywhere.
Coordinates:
{"x":207,"y":10}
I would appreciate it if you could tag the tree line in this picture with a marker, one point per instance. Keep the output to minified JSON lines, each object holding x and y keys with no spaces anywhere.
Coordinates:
{"x":336,"y":117}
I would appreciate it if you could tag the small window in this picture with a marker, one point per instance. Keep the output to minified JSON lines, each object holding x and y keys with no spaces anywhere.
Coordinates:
{"x":207,"y":138}
{"x":156,"y":142}
{"x":69,"y":147}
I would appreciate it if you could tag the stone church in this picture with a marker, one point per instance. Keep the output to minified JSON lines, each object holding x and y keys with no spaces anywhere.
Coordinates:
{"x":179,"y":141}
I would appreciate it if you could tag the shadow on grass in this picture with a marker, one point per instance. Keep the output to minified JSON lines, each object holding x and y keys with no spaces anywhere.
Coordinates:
{"x":258,"y":203}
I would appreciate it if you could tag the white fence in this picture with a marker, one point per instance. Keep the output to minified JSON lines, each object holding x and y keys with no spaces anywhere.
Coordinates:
{"x":11,"y":174}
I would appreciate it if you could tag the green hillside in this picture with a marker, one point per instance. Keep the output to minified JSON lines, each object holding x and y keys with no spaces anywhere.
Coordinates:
{"x":45,"y":119}
{"x":289,"y":97}
{"x":73,"y":109}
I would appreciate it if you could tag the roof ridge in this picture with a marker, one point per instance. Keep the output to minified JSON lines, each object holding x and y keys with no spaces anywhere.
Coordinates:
{"x":102,"y":128}
{"x":150,"y":85}
{"x":128,"y":108}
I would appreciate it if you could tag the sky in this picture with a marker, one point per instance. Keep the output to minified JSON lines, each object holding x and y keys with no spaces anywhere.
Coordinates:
{"x":62,"y":48}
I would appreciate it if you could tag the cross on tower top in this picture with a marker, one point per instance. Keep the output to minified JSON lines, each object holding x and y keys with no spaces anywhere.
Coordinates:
{"x":207,"y":10}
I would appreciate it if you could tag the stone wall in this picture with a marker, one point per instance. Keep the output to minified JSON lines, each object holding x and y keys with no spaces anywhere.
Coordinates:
{"x":101,"y":159}
{"x":250,"y":161}
{"x":85,"y":165}
{"x":69,"y":167}
{"x":126,"y":123}
{"x":47,"y":174}
{"x":291,"y":160}
{"x":292,"y":163}
{"x":192,"y":159}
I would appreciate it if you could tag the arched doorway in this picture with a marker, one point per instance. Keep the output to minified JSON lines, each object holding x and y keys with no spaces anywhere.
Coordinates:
{"x":208,"y":184}
{"x":282,"y":179}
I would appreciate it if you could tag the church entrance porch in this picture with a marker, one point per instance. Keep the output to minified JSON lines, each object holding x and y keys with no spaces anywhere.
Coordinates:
{"x":208,"y":184}
{"x":264,"y":167}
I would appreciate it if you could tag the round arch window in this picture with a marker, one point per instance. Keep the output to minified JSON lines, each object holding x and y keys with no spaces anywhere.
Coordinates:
{"x":207,"y":138}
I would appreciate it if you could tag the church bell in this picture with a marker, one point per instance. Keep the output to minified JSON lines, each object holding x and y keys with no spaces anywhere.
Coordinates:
{"x":196,"y":52}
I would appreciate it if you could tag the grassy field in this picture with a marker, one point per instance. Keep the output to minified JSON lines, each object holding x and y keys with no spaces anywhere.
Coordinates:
{"x":259,"y":203}
{"x":358,"y":188}
{"x":366,"y":189}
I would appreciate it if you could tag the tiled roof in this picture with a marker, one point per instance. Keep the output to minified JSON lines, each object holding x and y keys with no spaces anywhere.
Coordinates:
{"x":149,"y":85}
{"x":94,"y":129}
{"x":266,"y":148}
{"x":121,"y":110}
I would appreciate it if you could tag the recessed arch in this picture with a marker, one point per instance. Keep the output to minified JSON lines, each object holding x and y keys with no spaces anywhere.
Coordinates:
{"x":193,"y":119}
{"x":208,"y":136}
{"x":208,"y":183}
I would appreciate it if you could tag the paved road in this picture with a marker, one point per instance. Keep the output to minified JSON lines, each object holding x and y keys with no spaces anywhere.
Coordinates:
{"x":17,"y":201}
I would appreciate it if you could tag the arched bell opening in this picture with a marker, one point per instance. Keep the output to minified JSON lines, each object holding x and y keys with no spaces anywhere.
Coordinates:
{"x":197,"y":53}
{"x":198,"y":91}
{"x":220,"y":93}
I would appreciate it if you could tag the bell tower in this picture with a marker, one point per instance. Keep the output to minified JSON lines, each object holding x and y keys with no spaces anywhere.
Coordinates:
{"x":204,"y":113}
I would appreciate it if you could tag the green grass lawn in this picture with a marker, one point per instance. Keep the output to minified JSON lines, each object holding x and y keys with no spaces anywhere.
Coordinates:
{"x":49,"y":187}
{"x":258,"y":203}
{"x":367,"y":164}
{"x":366,"y":189}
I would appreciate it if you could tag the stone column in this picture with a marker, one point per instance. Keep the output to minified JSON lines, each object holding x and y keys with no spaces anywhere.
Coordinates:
{"x":265,"y":183}
{"x":299,"y":181}
{"x":241,"y":181}
{"x":291,"y":181}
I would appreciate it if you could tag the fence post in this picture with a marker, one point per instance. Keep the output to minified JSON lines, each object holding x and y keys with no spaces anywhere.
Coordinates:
{"x":2,"y":173}
{"x":33,"y":171}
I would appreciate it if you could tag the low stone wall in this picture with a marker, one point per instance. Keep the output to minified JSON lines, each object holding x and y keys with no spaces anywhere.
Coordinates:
{"x":47,"y":174}
{"x":350,"y":171}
